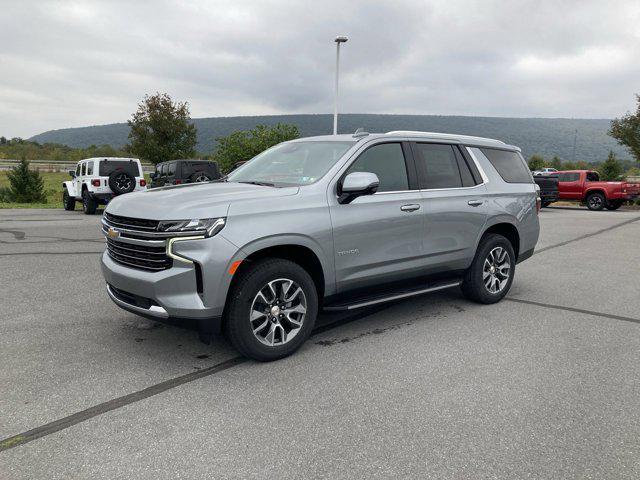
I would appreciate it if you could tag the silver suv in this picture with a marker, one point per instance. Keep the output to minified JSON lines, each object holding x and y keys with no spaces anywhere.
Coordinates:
{"x":333,"y":222}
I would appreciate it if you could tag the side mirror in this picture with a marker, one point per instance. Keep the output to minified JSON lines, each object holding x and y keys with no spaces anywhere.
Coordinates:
{"x":72,"y":173}
{"x":357,"y":184}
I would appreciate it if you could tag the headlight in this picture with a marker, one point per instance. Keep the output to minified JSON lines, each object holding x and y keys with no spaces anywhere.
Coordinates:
{"x":204,"y":226}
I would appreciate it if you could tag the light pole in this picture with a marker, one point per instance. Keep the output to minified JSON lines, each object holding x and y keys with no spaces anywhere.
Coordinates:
{"x":339,"y":39}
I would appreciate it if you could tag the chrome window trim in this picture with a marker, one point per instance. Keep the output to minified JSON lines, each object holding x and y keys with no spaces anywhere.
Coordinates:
{"x":478,"y":166}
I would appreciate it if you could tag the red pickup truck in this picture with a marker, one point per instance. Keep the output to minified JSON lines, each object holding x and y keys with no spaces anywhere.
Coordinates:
{"x":585,"y":186}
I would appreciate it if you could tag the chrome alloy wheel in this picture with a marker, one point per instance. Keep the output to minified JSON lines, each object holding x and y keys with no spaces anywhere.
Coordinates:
{"x":201,"y":178}
{"x":278,"y":312}
{"x":123,"y":181}
{"x":496,"y":270}
{"x":595,"y":202}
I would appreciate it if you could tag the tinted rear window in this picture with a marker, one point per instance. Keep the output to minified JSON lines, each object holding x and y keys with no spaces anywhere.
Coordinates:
{"x":109,"y":166}
{"x":568,"y":177}
{"x":509,"y":165}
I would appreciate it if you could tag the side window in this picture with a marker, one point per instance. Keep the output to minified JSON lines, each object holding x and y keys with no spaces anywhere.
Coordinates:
{"x":83,"y":169}
{"x":90,"y":168}
{"x":171,"y":169}
{"x":164,"y":169}
{"x":78,"y":170}
{"x":468,"y":178}
{"x":509,"y":165}
{"x":438,"y":166}
{"x":387,"y":162}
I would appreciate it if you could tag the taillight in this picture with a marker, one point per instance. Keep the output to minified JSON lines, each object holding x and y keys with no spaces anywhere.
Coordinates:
{"x":538,"y":204}
{"x":95,"y":182}
{"x":143,"y":182}
{"x":178,"y":182}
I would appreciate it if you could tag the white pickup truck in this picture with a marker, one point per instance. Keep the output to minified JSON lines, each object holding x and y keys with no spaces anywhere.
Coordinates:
{"x":97,"y":180}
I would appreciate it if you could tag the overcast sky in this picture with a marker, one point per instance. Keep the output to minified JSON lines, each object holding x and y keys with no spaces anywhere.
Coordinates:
{"x":66,"y":64}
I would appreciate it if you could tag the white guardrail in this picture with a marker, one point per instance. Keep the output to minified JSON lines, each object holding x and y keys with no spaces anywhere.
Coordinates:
{"x":53,"y":165}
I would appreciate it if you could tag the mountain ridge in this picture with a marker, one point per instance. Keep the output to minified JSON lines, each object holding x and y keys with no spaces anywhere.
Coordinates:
{"x":542,"y":136}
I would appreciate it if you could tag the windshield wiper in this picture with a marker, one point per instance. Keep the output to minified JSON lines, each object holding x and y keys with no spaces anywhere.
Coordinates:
{"x":254,"y":182}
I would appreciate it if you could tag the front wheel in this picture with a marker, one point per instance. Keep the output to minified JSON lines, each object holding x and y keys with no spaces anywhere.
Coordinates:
{"x":545,"y":204}
{"x":491,"y":273}
{"x":596,"y":201}
{"x":68,"y":202}
{"x":89,"y":205}
{"x":272,"y":309}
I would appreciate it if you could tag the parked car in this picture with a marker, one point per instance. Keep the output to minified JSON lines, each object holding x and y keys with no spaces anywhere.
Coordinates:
{"x":545,"y":171}
{"x":335,"y":222}
{"x":548,"y":184}
{"x":585,"y":186}
{"x":96,"y":181}
{"x":177,"y":172}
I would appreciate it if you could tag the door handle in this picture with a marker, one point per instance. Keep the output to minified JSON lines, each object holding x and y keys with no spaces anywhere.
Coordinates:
{"x":410,"y":207}
{"x":475,"y":203}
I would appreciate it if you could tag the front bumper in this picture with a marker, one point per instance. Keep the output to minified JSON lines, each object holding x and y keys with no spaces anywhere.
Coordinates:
{"x":179,"y":292}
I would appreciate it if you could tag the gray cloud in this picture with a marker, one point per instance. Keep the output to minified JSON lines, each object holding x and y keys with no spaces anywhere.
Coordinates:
{"x":80,"y":63}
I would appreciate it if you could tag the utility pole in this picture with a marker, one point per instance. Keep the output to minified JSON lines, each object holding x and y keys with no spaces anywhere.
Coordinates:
{"x":339,"y":39}
{"x":575,"y":139}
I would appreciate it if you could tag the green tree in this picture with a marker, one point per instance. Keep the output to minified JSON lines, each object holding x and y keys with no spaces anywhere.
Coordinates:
{"x":626,"y":130}
{"x":611,"y":168}
{"x":568,"y":166}
{"x":244,"y":145}
{"x":556,"y":163}
{"x":27,"y":186}
{"x":536,"y":162}
{"x":161,"y":130}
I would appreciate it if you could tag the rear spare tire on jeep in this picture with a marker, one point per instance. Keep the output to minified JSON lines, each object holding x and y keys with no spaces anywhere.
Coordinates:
{"x":199,"y":177}
{"x":121,"y":182}
{"x":272,"y":309}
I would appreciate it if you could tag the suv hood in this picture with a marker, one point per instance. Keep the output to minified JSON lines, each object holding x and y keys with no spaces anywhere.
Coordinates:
{"x":195,"y":200}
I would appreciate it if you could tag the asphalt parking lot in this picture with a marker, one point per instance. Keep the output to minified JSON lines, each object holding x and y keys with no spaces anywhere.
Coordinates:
{"x":545,"y":384}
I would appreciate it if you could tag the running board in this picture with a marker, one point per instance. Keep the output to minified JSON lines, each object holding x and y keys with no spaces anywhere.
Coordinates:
{"x":367,"y":302}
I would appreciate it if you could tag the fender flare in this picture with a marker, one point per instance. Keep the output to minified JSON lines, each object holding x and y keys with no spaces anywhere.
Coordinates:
{"x":589,"y":191}
{"x":70,"y":188}
{"x":299,"y":240}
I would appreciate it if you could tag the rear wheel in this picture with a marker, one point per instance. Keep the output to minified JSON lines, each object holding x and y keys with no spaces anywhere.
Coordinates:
{"x":490,"y":276}
{"x":89,"y":205}
{"x":272,"y":309}
{"x":545,"y":204}
{"x":596,"y":201}
{"x":614,"y":205}
{"x":68,"y":202}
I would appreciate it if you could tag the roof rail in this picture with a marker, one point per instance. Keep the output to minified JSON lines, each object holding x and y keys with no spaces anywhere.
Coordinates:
{"x":440,"y":135}
{"x":360,"y":133}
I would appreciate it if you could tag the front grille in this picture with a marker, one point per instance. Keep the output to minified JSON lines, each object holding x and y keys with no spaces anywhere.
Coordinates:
{"x":129,"y":223}
{"x":152,"y":258}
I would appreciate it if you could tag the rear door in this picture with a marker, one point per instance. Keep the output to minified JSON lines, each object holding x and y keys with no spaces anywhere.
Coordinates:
{"x":78,"y":179}
{"x":378,"y":238}
{"x":453,"y":199}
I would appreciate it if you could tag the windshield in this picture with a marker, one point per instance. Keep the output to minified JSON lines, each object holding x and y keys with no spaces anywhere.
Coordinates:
{"x":291,"y":164}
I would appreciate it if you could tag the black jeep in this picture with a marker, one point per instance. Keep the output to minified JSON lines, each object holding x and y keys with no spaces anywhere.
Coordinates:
{"x":177,"y":172}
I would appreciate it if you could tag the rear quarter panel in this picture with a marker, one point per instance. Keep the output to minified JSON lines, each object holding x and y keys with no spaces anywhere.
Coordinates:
{"x":513,"y":203}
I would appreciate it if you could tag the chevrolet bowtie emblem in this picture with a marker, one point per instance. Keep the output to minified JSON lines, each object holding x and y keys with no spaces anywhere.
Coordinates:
{"x":113,"y":233}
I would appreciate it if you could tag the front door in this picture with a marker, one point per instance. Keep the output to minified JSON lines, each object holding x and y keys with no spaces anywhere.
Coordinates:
{"x":378,"y":238}
{"x":80,"y":171}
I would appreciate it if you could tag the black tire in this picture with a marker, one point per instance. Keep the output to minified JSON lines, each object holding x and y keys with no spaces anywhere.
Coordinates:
{"x":596,"y":201}
{"x":200,"y":177}
{"x":253,"y":279}
{"x":121,"y":182}
{"x":473,"y":285}
{"x":68,"y":202}
{"x":614,"y":205}
{"x":89,"y":205}
{"x":545,"y":204}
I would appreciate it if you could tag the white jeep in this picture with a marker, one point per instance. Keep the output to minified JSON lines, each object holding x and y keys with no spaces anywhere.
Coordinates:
{"x":97,"y":180}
